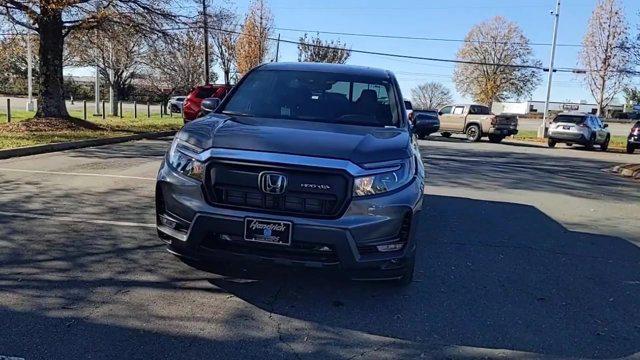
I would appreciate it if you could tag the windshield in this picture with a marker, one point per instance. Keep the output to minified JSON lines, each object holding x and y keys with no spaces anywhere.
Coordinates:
{"x":316,"y":96}
{"x":573,"y":119}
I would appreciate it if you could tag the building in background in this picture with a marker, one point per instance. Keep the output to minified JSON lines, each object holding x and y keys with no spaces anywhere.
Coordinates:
{"x":537,"y":107}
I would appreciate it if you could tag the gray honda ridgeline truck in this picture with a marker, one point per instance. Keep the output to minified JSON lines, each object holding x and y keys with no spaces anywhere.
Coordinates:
{"x":301,"y":164}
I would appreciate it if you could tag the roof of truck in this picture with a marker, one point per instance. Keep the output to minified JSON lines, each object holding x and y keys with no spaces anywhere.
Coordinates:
{"x":330,"y":68}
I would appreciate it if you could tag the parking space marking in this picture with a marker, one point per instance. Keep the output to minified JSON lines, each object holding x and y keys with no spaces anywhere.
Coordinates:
{"x":73,"y":219}
{"x":76,"y":174}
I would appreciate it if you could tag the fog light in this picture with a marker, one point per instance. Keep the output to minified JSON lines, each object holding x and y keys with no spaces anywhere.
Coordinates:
{"x":168,"y":222}
{"x":389,"y":247}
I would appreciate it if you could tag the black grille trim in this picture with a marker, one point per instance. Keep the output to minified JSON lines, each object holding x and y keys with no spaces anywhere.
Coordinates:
{"x":294,"y":203}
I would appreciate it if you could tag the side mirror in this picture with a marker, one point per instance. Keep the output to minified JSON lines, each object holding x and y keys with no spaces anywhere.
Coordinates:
{"x":210,"y":104}
{"x":605,"y":126}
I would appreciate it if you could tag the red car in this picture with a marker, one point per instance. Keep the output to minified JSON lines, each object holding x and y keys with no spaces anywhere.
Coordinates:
{"x":191,"y":106}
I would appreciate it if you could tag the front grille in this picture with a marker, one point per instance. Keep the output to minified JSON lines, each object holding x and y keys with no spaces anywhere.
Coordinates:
{"x":297,"y":251}
{"x":236,"y":185}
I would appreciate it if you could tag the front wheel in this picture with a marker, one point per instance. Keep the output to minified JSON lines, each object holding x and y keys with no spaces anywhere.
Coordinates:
{"x":592,"y":141}
{"x":422,"y":136}
{"x":445,"y":134}
{"x":605,"y":144}
{"x":473,"y":133}
{"x":551,"y":143}
{"x":495,"y":138}
{"x":630,"y":149}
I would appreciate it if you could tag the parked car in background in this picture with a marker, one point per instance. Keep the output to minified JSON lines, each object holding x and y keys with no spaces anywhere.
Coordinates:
{"x":425,"y":123}
{"x":175,"y":103}
{"x":302,"y":164}
{"x":193,"y":101}
{"x":476,"y":121}
{"x":633,"y":141}
{"x":579,"y":128}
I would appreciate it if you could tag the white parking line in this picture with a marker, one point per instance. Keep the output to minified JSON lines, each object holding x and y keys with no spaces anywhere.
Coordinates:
{"x":73,"y":219}
{"x":5,"y":357}
{"x":76,"y":174}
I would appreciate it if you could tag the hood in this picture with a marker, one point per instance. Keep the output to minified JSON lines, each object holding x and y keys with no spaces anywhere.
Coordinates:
{"x":359,"y":144}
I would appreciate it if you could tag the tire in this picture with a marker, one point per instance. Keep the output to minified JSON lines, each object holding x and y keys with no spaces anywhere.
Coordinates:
{"x":422,"y":136}
{"x":551,"y":143}
{"x":473,"y":133}
{"x":592,"y":141}
{"x":495,"y":138}
{"x":445,"y":134}
{"x":605,"y":144}
{"x":630,"y":148}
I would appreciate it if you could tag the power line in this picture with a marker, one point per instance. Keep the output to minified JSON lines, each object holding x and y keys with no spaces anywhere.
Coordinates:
{"x":420,"y":38}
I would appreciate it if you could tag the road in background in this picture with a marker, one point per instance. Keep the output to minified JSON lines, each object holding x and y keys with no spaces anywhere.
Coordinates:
{"x":524,"y":251}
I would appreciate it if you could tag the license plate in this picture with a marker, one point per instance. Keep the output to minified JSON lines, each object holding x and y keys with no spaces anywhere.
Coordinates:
{"x":267,"y":231}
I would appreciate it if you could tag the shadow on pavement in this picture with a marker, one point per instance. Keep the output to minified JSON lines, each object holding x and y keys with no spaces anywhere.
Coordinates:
{"x":491,"y":275}
{"x":502,"y":170}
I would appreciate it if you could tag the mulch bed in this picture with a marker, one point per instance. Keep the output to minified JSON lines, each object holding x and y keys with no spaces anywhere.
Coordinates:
{"x":49,"y":125}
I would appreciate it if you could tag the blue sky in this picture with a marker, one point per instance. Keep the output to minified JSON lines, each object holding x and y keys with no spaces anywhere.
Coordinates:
{"x":440,"y":19}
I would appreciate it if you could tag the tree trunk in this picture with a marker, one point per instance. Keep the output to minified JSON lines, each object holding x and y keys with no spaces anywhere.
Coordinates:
{"x":227,"y":77}
{"x":50,"y":80}
{"x":114,"y":104}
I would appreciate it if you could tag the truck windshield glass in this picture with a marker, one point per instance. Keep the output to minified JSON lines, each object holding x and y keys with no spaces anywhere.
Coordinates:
{"x":316,"y":96}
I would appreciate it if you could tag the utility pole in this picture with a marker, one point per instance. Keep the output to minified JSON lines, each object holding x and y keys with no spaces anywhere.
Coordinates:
{"x":30,"y":106}
{"x":112,"y":104}
{"x":278,"y":47}
{"x":542,"y":131}
{"x":206,"y":41}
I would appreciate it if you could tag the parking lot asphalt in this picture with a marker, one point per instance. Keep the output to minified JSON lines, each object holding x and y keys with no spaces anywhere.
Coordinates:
{"x":524,"y":252}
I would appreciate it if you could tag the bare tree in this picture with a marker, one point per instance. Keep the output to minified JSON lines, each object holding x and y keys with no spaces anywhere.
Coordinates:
{"x":224,"y":39}
{"x":175,"y":64}
{"x":53,"y":20}
{"x":604,"y":52}
{"x":503,"y":64}
{"x":114,"y":48}
{"x":316,"y":50}
{"x":430,"y":95}
{"x":253,"y":44}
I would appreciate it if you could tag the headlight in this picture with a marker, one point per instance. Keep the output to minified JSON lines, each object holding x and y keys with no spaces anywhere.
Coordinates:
{"x":183,"y":163}
{"x":383,"y":182}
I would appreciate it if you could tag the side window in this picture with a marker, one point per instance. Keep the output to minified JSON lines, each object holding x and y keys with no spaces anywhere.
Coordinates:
{"x":458,"y":110}
{"x":446,"y":110}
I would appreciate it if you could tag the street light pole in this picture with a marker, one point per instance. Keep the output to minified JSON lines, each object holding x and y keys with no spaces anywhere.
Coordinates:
{"x":206,"y":42}
{"x":30,"y":106}
{"x":542,"y":131}
{"x":112,"y":104}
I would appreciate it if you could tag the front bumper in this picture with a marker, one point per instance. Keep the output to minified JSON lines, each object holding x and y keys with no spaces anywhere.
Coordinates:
{"x":210,"y":234}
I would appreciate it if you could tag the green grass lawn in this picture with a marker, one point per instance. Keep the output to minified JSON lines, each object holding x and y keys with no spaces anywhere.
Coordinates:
{"x":617,"y":141}
{"x":111,"y":127}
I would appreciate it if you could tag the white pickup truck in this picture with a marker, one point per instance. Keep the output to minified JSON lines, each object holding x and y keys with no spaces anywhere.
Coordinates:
{"x":476,"y":121}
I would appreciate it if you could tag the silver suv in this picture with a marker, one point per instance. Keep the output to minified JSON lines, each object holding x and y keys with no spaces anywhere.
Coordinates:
{"x":579,"y":128}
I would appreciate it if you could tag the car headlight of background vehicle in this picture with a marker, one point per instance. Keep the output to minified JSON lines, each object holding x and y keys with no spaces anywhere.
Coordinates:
{"x":180,"y":160}
{"x":384,"y":182}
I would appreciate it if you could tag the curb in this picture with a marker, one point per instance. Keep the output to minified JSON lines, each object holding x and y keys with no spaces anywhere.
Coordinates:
{"x":627,"y":170}
{"x":47,"y":148}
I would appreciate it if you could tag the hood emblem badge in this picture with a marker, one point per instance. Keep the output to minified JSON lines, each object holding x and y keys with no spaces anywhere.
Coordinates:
{"x":272,"y":182}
